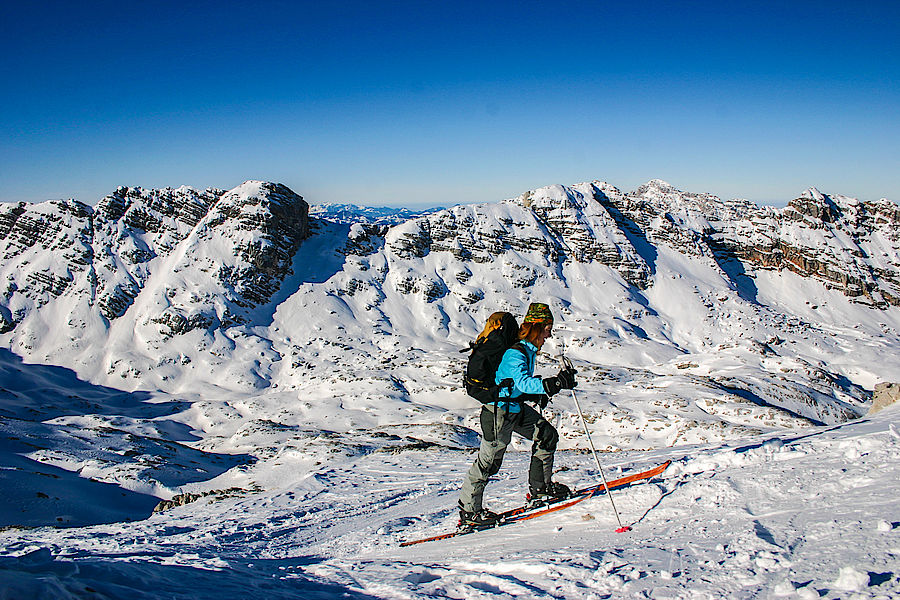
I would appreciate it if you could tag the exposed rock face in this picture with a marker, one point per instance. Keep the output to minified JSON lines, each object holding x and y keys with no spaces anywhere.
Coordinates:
{"x":849,"y":245}
{"x":885,"y":395}
{"x":48,"y":247}
{"x":136,"y":226}
{"x":103,"y":257}
{"x":263,"y":224}
{"x":187,"y":498}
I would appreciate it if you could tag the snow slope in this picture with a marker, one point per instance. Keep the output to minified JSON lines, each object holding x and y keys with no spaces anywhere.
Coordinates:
{"x":302,"y":430}
{"x":802,"y":514}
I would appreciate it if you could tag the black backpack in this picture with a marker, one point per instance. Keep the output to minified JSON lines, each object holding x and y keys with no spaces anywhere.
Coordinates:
{"x":484,"y":359}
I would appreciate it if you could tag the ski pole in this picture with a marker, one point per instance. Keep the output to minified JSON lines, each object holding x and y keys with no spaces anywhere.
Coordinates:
{"x":567,"y":364}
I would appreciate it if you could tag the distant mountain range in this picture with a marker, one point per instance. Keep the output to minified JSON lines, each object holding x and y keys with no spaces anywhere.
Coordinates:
{"x":375,"y":215}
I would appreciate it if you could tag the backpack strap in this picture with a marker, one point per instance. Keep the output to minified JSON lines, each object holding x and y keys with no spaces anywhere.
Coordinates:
{"x":518,"y":346}
{"x":470,"y":348}
{"x":508,"y":382}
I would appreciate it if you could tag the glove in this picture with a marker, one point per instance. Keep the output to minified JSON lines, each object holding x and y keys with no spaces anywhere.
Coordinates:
{"x":566,"y":379}
{"x":552,"y":385}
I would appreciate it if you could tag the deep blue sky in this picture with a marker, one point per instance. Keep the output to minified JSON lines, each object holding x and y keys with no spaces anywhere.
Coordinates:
{"x":427,"y":103}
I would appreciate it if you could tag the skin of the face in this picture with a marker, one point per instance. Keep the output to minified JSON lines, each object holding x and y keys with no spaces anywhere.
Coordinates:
{"x":546,"y":332}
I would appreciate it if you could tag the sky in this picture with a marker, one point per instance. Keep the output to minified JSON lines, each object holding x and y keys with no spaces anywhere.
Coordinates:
{"x":437,"y":103}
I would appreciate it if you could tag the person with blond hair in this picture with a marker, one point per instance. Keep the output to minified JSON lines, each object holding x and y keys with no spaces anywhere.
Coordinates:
{"x":508,"y":413}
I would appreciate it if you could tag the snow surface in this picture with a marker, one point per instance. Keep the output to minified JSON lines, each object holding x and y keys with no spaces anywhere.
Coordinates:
{"x":803,"y":514}
{"x":331,"y":427}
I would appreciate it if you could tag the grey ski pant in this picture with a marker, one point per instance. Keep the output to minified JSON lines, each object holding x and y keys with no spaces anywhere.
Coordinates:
{"x":497,"y":427}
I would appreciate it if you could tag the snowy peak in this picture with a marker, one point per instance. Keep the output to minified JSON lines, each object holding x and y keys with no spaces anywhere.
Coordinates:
{"x":814,"y":205}
{"x":96,"y":262}
{"x":655,"y":186}
{"x":134,"y":227}
{"x":234,"y":260}
{"x":813,"y":194}
{"x":148,"y":210}
{"x":44,"y":247}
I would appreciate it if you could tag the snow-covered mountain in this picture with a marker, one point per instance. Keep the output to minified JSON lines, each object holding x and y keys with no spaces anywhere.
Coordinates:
{"x":242,"y":348}
{"x":170,"y":289}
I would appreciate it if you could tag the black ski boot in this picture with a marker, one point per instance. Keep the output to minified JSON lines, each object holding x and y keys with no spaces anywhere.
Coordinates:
{"x":550,"y":493}
{"x":480,"y":519}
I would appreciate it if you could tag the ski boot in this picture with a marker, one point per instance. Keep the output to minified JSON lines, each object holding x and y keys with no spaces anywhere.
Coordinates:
{"x":480,"y":519}
{"x":550,"y":493}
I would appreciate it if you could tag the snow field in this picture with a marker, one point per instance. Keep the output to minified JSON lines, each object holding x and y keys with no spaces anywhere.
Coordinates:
{"x":795,"y":514}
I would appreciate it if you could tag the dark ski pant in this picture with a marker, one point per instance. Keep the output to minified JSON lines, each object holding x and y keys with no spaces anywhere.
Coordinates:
{"x":497,"y":427}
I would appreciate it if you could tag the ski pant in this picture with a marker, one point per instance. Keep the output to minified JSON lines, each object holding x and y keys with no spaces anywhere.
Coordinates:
{"x":497,"y":427}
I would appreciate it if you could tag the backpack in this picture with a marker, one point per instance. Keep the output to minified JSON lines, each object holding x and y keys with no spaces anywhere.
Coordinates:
{"x":485,"y":357}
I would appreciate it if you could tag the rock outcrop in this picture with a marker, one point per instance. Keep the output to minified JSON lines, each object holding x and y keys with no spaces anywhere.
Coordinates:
{"x":886,"y":394}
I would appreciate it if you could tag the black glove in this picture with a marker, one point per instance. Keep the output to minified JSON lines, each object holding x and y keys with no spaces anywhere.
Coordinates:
{"x":566,"y":379}
{"x":552,"y":385}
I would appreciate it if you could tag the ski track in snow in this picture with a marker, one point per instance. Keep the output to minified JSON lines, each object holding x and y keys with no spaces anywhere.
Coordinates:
{"x":806,"y":514}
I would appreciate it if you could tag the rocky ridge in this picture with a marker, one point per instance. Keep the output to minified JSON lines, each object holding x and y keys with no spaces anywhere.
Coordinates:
{"x":106,"y":254}
{"x":102,"y":257}
{"x":849,"y":245}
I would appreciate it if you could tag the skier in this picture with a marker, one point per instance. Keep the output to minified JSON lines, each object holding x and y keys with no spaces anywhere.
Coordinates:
{"x":509,"y":413}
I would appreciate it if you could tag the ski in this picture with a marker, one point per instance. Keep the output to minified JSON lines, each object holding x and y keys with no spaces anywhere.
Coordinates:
{"x":524,"y":513}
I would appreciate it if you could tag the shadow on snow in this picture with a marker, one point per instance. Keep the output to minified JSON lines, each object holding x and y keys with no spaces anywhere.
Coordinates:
{"x":128,"y":438}
{"x":141,"y":577}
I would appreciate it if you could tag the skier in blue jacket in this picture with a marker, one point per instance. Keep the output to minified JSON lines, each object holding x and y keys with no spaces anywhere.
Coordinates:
{"x":510,"y":414}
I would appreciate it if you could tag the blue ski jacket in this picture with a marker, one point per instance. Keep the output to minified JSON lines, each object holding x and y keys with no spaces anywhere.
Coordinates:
{"x":518,"y":366}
